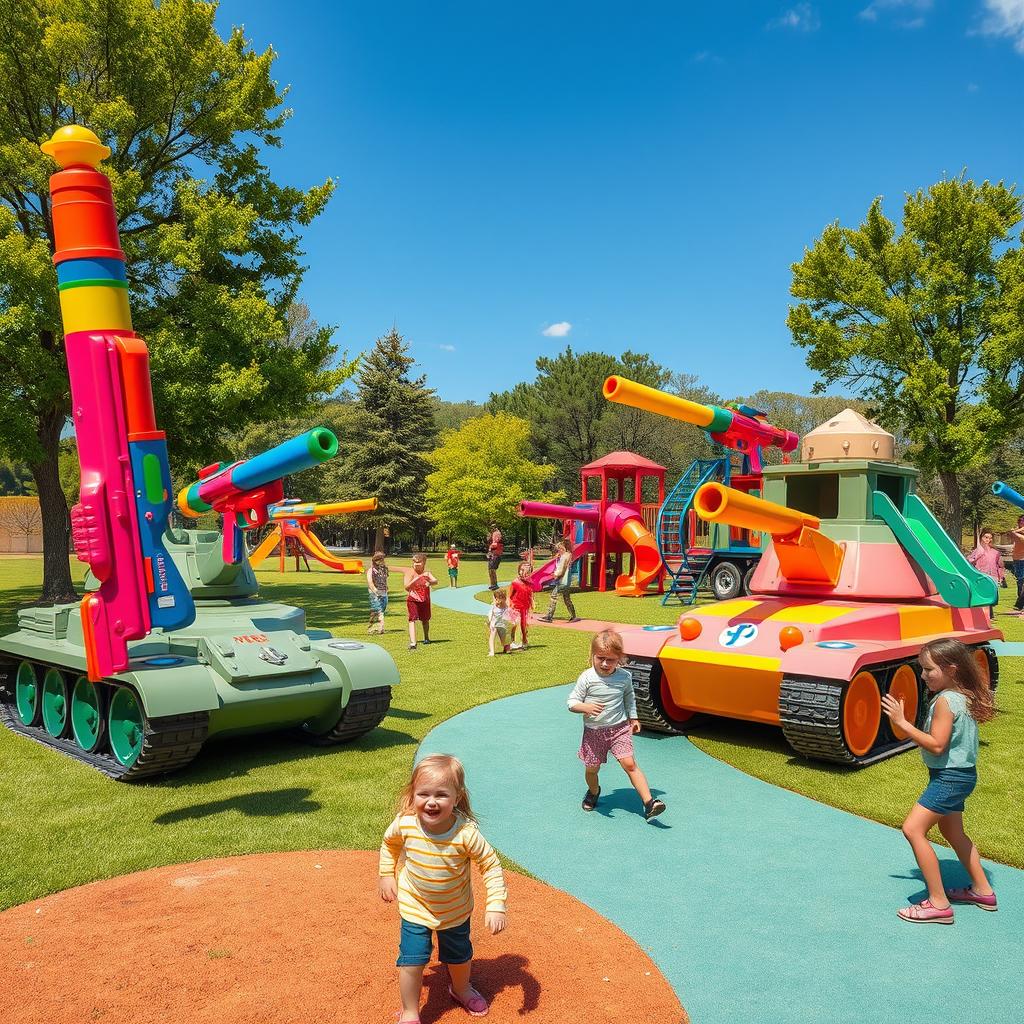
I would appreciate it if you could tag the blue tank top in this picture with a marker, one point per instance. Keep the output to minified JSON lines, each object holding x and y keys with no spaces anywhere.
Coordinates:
{"x":962,"y":751}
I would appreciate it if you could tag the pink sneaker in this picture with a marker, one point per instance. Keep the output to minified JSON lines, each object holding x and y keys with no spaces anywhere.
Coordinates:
{"x":970,"y":896}
{"x":475,"y":1005}
{"x":925,"y":913}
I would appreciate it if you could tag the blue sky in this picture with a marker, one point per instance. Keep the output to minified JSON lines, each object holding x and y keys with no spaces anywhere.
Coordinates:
{"x":619,"y":175}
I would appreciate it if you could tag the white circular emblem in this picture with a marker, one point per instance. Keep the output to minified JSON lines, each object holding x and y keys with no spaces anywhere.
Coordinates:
{"x":739,"y":635}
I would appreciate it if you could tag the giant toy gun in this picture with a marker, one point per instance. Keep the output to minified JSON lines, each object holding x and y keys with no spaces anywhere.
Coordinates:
{"x":119,"y":522}
{"x":244,"y":492}
{"x":742,"y":429}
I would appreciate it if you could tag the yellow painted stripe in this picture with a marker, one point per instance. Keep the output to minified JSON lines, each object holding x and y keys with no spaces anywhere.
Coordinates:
{"x":924,"y":621}
{"x":811,"y":614}
{"x":95,"y":309}
{"x":752,"y":661}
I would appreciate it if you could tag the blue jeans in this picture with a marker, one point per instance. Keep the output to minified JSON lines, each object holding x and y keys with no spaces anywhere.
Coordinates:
{"x":453,"y":944}
{"x":1017,"y":568}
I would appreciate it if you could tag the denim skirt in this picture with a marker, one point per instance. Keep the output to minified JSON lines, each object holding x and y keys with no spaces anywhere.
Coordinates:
{"x":948,"y":788}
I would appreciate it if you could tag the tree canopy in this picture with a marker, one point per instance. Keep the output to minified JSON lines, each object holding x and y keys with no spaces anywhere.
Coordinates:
{"x":926,"y":324}
{"x":481,"y":473}
{"x":211,"y":241}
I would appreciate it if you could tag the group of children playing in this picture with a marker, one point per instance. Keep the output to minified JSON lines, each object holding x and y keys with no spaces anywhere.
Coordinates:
{"x":427,"y":850}
{"x":510,"y":607}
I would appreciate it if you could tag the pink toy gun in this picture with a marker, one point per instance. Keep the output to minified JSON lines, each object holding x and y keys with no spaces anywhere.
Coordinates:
{"x":742,"y":429}
{"x":118,"y":524}
{"x":246,"y":492}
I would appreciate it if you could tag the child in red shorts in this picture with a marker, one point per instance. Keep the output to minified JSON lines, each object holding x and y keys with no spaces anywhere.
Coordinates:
{"x":520,"y":597}
{"x":603,"y":694}
{"x":417,"y":599}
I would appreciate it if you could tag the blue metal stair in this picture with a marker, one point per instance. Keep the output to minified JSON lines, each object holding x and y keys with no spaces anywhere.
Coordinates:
{"x":685,"y":570}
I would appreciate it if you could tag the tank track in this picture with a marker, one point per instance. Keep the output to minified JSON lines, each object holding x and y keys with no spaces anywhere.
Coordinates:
{"x":169,"y":742}
{"x":646,"y":673}
{"x":365,"y":710}
{"x":809,"y":712}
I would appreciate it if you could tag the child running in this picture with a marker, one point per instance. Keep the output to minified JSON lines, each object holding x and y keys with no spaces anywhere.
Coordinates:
{"x":417,"y":599}
{"x":377,"y":581}
{"x":424,"y":863}
{"x":499,"y":618}
{"x":949,"y":746}
{"x":603,"y":694}
{"x":451,"y":559}
{"x":521,"y":600}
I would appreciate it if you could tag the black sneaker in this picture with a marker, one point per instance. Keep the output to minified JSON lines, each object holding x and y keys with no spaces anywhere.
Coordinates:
{"x":653,"y":808}
{"x":590,"y":800}
{"x":575,"y":618}
{"x":544,"y":618}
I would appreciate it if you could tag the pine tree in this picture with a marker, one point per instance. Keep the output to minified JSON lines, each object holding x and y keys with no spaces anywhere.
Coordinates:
{"x":391,"y":434}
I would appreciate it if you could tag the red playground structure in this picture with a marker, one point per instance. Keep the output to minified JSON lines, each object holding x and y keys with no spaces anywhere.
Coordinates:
{"x":610,"y":520}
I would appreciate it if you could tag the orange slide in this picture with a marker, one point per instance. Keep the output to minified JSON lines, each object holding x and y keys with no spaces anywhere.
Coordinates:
{"x":647,"y":565}
{"x":310,"y":542}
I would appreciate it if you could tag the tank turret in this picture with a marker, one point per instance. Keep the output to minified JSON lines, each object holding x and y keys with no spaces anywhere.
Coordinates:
{"x":857,"y":576}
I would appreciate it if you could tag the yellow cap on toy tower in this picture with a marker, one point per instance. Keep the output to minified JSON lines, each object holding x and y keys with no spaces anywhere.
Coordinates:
{"x":75,"y":146}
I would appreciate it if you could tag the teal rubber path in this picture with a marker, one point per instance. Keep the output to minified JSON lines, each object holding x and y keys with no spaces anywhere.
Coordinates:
{"x":924,"y":539}
{"x":757,"y":904}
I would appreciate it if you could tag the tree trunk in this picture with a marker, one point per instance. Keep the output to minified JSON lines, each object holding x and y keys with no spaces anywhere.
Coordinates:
{"x":953,"y":520}
{"x":53,"y":506}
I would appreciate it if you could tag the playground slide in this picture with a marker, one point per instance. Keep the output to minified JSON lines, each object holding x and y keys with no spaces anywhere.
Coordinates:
{"x":542,"y":576}
{"x":268,"y":545}
{"x":312,"y":544}
{"x":957,"y":581}
{"x":646,"y":559}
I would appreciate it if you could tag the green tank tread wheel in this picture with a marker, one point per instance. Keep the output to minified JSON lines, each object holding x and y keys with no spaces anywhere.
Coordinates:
{"x":150,"y":746}
{"x":87,"y":722}
{"x":27,"y":704}
{"x":55,"y":703}
{"x":365,"y":710}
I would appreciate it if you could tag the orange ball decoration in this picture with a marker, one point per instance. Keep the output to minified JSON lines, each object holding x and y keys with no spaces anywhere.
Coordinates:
{"x":689,"y":629}
{"x":790,"y":636}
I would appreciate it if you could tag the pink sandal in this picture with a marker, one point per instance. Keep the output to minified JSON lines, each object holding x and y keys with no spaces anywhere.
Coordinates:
{"x":968,"y":895}
{"x":925,"y":913}
{"x":475,"y":1005}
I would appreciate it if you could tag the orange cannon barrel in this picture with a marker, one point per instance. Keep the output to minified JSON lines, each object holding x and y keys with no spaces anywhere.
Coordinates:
{"x":716,"y":503}
{"x":805,"y":554}
{"x":309,"y":510}
{"x":640,"y":396}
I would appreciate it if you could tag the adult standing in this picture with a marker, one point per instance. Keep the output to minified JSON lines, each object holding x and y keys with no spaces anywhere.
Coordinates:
{"x":561,"y":584}
{"x":495,"y":549}
{"x":1017,"y":563}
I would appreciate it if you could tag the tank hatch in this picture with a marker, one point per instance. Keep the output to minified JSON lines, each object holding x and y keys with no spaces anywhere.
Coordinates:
{"x":848,"y":436}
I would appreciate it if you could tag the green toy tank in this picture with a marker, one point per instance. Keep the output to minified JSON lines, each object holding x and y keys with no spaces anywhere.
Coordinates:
{"x":242,"y":666}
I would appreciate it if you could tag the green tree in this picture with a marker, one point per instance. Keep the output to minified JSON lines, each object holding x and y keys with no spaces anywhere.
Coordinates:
{"x":927,"y":324}
{"x":211,"y":241}
{"x":391,"y":432}
{"x":481,"y":473}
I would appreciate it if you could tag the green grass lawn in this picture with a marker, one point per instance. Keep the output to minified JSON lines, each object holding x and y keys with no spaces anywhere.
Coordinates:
{"x":63,"y":824}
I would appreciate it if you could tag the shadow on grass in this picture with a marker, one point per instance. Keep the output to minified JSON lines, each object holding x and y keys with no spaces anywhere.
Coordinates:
{"x":236,"y":756}
{"x":267,"y":804}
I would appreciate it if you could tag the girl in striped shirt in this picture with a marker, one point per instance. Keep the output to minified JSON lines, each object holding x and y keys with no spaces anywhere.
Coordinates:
{"x":424,"y":864}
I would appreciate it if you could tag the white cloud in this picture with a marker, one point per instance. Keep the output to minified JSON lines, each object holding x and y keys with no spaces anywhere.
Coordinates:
{"x":800,"y":18}
{"x":706,"y":57}
{"x":1005,"y":18}
{"x":446,"y":348}
{"x":876,"y":7}
{"x":559,"y":330}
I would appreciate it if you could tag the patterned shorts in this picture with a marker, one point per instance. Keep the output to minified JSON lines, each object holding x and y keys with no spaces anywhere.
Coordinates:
{"x":598,"y":743}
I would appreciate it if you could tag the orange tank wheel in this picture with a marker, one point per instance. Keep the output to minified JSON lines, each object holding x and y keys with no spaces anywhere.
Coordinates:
{"x":862,"y":713}
{"x":904,"y":686}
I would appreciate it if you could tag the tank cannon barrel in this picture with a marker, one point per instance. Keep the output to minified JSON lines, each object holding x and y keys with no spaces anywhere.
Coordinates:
{"x":542,"y":510}
{"x":716,"y":503}
{"x":744,"y":430}
{"x":1007,"y":493}
{"x":805,"y":554}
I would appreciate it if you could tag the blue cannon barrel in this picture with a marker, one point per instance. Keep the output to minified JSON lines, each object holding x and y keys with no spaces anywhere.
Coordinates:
{"x":227,"y":481}
{"x":1007,"y":493}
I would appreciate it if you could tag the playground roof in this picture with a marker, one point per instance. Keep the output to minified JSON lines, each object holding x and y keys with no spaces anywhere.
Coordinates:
{"x":622,"y":460}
